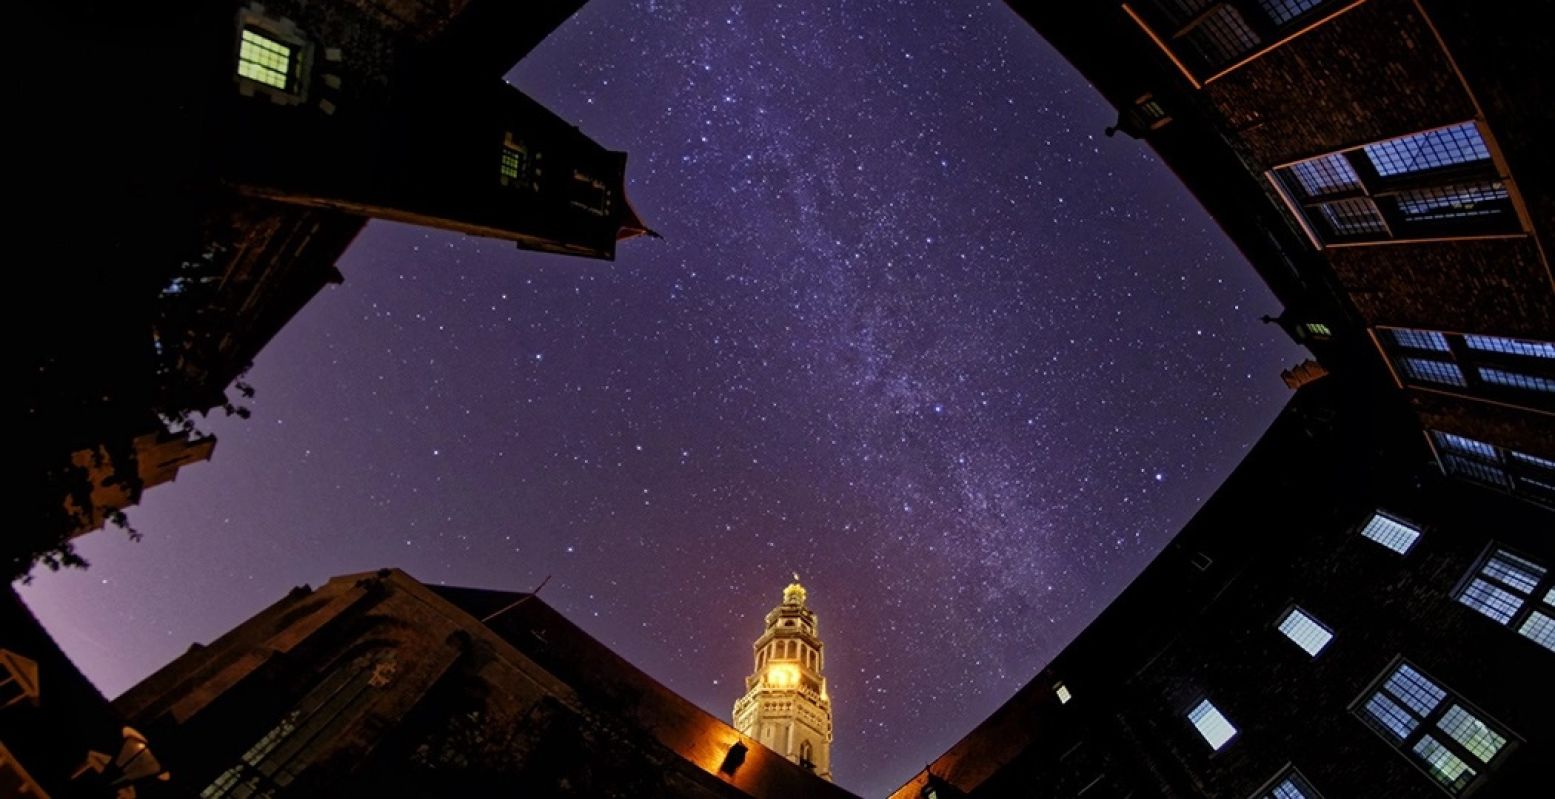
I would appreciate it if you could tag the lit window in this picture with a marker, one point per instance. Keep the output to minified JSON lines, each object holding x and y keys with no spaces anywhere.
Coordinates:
{"x":517,"y":169}
{"x":265,"y":59}
{"x":1212,"y":724}
{"x":1391,"y":533}
{"x":1208,"y":36}
{"x":1506,"y":369}
{"x":1502,"y":377}
{"x":1515,"y":592}
{"x":1331,"y":174}
{"x":1063,"y":693}
{"x":1419,"y":339}
{"x":1510,"y":346}
{"x":1283,"y":11}
{"x":1450,"y":741}
{"x":1433,"y":149}
{"x":1520,"y":473}
{"x":1420,"y":369}
{"x":1305,"y":631}
{"x":1439,"y":183}
{"x":1318,"y":329}
{"x":1288,"y":784}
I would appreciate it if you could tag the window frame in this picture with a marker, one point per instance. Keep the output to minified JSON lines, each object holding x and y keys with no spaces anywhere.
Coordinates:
{"x":1363,"y":185}
{"x":1203,"y":700}
{"x":1539,"y":599}
{"x":1470,"y":363}
{"x":1293,"y":609}
{"x":1521,"y":474}
{"x":1172,"y":31}
{"x":283,"y":32}
{"x":1430,"y":722}
{"x":1419,"y":531}
{"x":1289,"y":771}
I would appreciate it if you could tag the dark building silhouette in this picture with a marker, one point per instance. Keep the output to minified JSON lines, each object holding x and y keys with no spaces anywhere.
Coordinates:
{"x":240,"y":148}
{"x":58,"y":736}
{"x":378,"y":685}
{"x":1367,"y":606}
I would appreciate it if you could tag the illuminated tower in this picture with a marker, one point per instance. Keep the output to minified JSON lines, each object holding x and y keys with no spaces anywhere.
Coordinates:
{"x":785,"y":705}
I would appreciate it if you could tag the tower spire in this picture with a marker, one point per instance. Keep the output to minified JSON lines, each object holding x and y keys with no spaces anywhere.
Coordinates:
{"x":785,"y":705}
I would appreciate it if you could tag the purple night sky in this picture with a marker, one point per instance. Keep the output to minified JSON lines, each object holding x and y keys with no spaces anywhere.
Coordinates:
{"x":916,"y":330}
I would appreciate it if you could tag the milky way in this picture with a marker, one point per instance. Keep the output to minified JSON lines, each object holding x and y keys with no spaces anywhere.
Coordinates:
{"x":916,"y":330}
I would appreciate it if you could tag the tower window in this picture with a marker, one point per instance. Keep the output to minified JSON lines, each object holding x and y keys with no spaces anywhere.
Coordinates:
{"x":1288,"y":784}
{"x":1439,"y":732}
{"x":1433,"y":184}
{"x":1212,"y":724}
{"x":266,"y":59}
{"x":1391,"y":533}
{"x":1305,"y":631}
{"x":1518,"y":473}
{"x":1514,"y":592}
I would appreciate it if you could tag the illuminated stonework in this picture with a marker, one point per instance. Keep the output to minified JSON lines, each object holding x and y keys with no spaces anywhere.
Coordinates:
{"x":785,"y":705}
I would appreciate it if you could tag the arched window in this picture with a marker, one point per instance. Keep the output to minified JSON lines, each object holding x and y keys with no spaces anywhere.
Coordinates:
{"x":805,"y":753}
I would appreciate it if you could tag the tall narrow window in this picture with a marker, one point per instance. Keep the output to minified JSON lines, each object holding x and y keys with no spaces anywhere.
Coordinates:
{"x":1514,"y":592}
{"x":1212,"y":724}
{"x":1434,"y":184}
{"x":1441,"y":734}
{"x":1305,"y":631}
{"x":1511,"y":370}
{"x":1391,"y":533}
{"x":1519,"y":473}
{"x":266,"y":59}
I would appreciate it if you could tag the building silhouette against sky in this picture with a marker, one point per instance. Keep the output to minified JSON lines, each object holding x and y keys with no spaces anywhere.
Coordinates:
{"x":273,"y":133}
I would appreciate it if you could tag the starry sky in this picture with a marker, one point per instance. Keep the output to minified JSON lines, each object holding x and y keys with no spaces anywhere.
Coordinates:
{"x":917,"y":330}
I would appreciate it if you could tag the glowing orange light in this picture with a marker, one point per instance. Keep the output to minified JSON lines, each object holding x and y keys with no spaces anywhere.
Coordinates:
{"x":783,"y":675}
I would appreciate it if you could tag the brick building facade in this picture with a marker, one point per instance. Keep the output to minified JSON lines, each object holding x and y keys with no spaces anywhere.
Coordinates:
{"x":1364,"y":608}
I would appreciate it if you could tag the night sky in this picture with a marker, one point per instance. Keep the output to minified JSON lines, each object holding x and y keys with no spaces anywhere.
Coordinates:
{"x":917,"y":330}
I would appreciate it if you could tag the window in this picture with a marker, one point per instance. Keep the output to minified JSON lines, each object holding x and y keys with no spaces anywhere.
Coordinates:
{"x":266,"y":59}
{"x":1288,"y":784}
{"x":307,"y":731}
{"x":1528,"y":476}
{"x":1208,"y":37}
{"x":1436,"y":730}
{"x":1212,"y":724}
{"x":1514,"y":592}
{"x":1305,"y":631}
{"x":1391,"y":533}
{"x":1062,"y":691}
{"x":590,"y":194}
{"x":518,"y":170}
{"x":1316,"y":330}
{"x":1511,"y":370}
{"x":1434,"y":184}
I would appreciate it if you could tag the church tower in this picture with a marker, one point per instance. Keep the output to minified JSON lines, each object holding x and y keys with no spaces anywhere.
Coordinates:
{"x":785,"y":705}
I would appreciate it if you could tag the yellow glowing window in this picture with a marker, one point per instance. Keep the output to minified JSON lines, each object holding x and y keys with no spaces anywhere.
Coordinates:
{"x":266,"y":60}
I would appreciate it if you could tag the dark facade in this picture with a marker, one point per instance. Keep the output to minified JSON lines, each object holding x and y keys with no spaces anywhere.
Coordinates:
{"x":1365,"y":607}
{"x":226,"y":154}
{"x":378,"y":685}
{"x":58,"y":736}
{"x":1295,"y":530}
